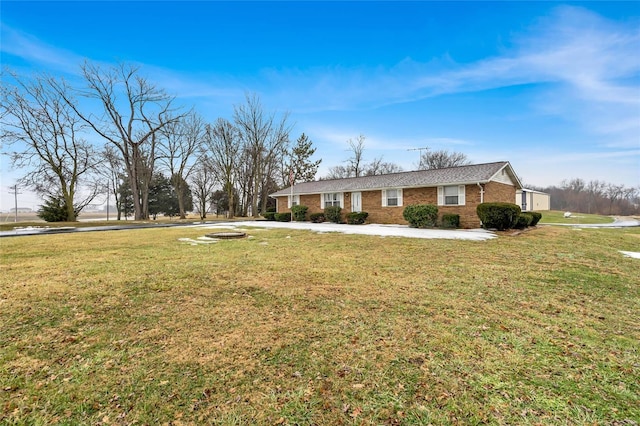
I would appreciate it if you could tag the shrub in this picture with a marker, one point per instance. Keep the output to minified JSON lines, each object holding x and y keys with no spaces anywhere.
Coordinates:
{"x":356,"y":218}
{"x":299,"y":213}
{"x":450,"y":220}
{"x":500,"y":216}
{"x":270,"y":215}
{"x":333,"y":214}
{"x":283,"y":217}
{"x":316,"y":217}
{"x":271,"y":209}
{"x":523,"y":221}
{"x":536,"y":218}
{"x":421,"y":215}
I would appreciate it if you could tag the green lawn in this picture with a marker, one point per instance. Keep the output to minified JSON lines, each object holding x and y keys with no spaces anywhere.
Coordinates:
{"x":292,"y":327}
{"x":578,"y":218}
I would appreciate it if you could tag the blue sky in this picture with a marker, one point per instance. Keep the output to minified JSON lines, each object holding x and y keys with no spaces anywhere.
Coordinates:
{"x":554,"y":88}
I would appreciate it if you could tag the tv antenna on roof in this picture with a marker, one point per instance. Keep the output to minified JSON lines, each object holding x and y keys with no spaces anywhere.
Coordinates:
{"x":426,"y":148}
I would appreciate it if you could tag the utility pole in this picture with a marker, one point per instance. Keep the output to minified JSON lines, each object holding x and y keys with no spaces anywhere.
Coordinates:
{"x":108,"y":196}
{"x":15,"y":194}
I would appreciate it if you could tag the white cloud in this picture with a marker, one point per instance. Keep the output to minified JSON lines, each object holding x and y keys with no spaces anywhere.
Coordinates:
{"x":32,"y":49}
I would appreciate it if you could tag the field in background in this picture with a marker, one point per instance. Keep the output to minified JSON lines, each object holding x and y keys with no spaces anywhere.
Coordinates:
{"x":291,"y":327}
{"x":92,"y":219}
{"x":552,"y":216}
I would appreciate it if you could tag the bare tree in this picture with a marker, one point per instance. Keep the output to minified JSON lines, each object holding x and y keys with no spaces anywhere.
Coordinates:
{"x":356,"y":162}
{"x":265,"y":139}
{"x":180,"y":143}
{"x":338,"y":172}
{"x":614,"y":193}
{"x":134,"y":112}
{"x":356,"y":166}
{"x":379,"y":167}
{"x":113,"y":169}
{"x":442,"y":159}
{"x":203,"y":182}
{"x":595,"y":191}
{"x":47,"y":134}
{"x":245,"y":173}
{"x":223,"y":150}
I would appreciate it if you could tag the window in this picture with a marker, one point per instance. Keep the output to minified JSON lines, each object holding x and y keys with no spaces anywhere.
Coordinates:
{"x":293,"y":202}
{"x":452,"y":195}
{"x":392,"y":198}
{"x":332,"y":199}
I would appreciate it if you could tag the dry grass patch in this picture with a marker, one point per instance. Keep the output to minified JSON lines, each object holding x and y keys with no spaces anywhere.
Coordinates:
{"x":137,"y":327}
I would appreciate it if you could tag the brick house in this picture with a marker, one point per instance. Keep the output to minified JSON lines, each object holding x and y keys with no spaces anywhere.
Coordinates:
{"x":454,"y":190}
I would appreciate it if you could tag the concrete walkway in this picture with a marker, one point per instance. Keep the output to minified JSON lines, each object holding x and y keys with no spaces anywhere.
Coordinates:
{"x":371,"y":229}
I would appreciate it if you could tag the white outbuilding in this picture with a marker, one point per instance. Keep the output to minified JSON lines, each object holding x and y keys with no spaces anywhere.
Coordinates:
{"x":531,"y":200}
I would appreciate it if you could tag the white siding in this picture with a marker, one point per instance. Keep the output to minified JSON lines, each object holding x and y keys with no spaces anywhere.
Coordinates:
{"x":503,"y":177}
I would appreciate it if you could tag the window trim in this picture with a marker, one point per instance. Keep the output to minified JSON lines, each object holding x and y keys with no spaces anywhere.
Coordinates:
{"x":340,"y":199}
{"x":385,"y":198}
{"x":461,"y":195}
{"x":296,"y":200}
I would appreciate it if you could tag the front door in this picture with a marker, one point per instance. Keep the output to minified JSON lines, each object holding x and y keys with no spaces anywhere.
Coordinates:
{"x":356,"y":201}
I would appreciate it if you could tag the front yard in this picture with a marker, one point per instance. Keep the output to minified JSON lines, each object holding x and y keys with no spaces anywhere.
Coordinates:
{"x":293,"y":327}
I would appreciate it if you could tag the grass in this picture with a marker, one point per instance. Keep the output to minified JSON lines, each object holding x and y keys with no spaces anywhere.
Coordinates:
{"x":553,"y":216}
{"x":26,"y":222}
{"x":291,"y":327}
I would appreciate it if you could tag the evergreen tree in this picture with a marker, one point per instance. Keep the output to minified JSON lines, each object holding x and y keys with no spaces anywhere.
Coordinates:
{"x":304,"y":170}
{"x":125,"y":199}
{"x":163,"y":198}
{"x":54,"y":209}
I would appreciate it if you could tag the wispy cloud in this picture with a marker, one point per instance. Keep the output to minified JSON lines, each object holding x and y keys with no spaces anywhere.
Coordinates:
{"x":34,"y":50}
{"x":586,"y":67}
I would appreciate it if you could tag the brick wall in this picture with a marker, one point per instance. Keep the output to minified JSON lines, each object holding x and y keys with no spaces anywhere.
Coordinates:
{"x":372,"y":203}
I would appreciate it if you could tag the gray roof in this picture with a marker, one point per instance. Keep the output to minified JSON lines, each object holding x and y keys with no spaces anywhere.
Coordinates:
{"x":476,"y":173}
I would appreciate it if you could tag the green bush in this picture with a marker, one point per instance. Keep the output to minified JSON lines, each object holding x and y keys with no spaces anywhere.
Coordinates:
{"x":333,"y":214}
{"x":357,"y":218}
{"x":316,"y":217}
{"x":421,"y":215}
{"x":450,"y":220}
{"x":299,"y":213}
{"x":270,"y":215}
{"x":536,"y":218}
{"x":524,"y":220}
{"x":500,"y":216}
{"x":283,"y":217}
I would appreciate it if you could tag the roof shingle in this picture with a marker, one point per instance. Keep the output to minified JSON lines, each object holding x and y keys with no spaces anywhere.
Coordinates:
{"x":476,"y":173}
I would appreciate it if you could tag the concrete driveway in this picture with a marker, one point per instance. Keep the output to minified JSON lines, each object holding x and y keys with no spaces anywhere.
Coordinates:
{"x":618,"y":222}
{"x":371,"y":229}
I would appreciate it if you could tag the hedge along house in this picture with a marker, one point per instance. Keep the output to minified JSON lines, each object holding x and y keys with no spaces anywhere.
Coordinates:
{"x":456,"y":190}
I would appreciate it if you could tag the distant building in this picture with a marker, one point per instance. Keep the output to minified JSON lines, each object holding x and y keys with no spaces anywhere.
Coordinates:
{"x":21,"y":210}
{"x":531,"y":200}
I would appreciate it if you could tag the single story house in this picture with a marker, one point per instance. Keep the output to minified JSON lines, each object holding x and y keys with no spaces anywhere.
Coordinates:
{"x":456,"y":190}
{"x":530,"y":200}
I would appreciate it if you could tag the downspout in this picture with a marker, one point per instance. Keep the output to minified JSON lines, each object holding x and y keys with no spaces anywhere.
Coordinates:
{"x":481,"y":196}
{"x":481,"y":192}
